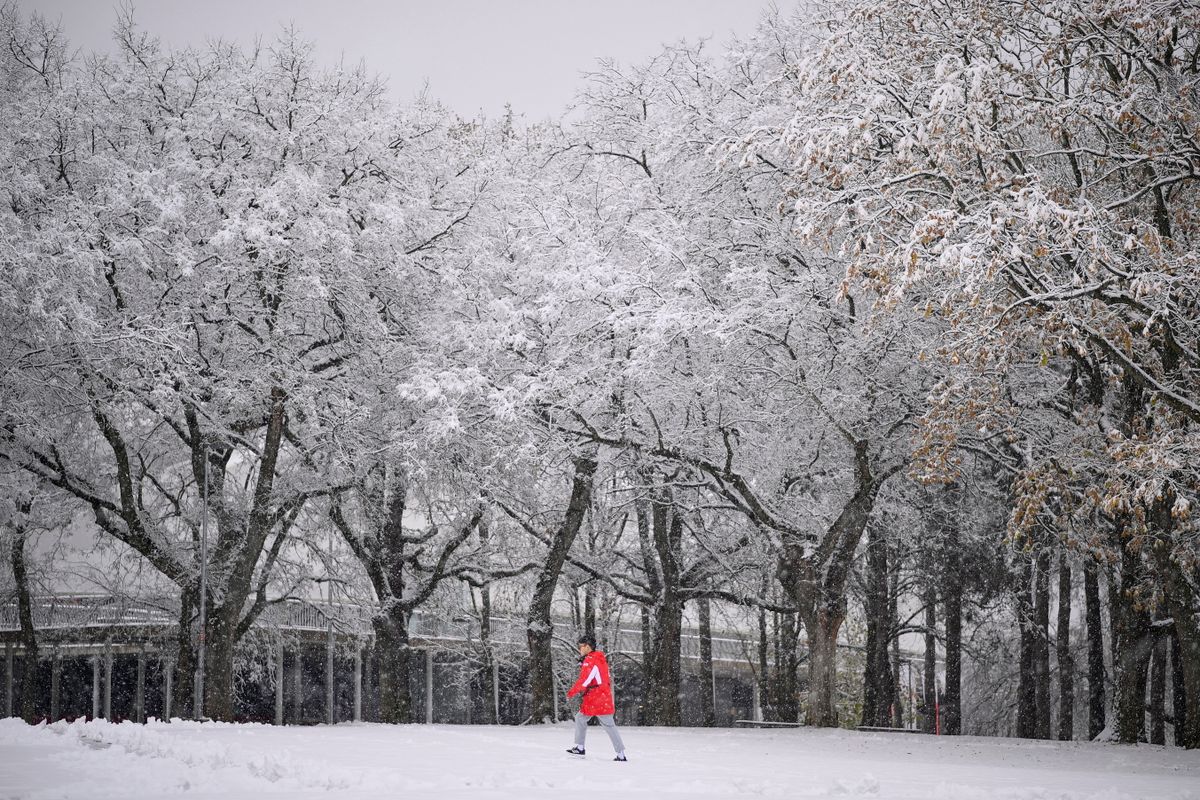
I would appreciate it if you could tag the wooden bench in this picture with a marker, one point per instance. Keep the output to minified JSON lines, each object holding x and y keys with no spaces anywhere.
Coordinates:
{"x":880,"y":729}
{"x":758,"y":723}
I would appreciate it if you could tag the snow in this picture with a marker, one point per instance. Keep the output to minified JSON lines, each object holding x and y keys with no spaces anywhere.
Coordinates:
{"x":97,"y":760}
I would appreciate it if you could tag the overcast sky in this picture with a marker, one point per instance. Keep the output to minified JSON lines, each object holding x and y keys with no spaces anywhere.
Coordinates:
{"x":475,"y":54}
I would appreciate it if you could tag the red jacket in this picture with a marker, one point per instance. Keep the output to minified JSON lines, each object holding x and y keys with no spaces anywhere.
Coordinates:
{"x":595,"y":685}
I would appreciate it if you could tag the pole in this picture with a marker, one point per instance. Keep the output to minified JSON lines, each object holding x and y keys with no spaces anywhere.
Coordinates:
{"x":198,"y":704}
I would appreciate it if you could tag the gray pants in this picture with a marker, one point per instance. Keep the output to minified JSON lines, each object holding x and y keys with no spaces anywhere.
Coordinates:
{"x":606,"y":722}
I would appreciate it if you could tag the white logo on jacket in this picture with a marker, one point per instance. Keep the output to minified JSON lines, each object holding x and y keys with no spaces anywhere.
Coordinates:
{"x":593,"y":675}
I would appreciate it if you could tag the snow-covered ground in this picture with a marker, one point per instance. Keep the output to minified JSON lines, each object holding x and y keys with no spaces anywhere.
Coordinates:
{"x":244,"y":762}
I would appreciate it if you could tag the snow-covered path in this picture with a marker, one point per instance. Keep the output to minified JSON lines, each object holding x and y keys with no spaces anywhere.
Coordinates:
{"x":243,"y":762}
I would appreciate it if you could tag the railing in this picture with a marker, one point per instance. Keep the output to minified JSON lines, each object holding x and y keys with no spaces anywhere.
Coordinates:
{"x":61,"y":614}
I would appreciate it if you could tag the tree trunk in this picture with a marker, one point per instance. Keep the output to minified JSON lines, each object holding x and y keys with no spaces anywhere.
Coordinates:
{"x":1095,"y":638}
{"x":666,"y":532}
{"x":708,"y":711}
{"x":1131,"y":623}
{"x":787,"y":698}
{"x":878,"y":681}
{"x":823,"y":615}
{"x":777,"y":660}
{"x":589,"y":610}
{"x":1158,"y":689}
{"x":1027,"y":711}
{"x":1187,"y":627}
{"x":1041,"y":665}
{"x":539,"y":626}
{"x":382,"y":548}
{"x":644,"y":713}
{"x":218,"y":670}
{"x":240,"y":559}
{"x":1180,"y":597}
{"x":894,"y":625}
{"x":1128,"y":608}
{"x":395,"y":666}
{"x":822,"y":660}
{"x":1178,"y":695}
{"x":952,"y":601}
{"x":1066,"y":663}
{"x":813,"y":571}
{"x":764,"y":682}
{"x":816,"y":584}
{"x":931,"y":699}
{"x":183,"y":689}
{"x":663,"y":701}
{"x":485,"y":642}
{"x":490,"y":688}
{"x":28,"y":636}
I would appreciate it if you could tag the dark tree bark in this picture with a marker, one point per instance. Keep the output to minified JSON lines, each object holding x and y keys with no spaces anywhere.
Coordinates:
{"x":539,"y":628}
{"x":708,"y":711}
{"x":765,"y":692}
{"x":395,"y":654}
{"x":786,"y":698}
{"x":931,"y":710}
{"x":894,"y":624}
{"x":1131,"y":632}
{"x":1095,"y":641}
{"x":1181,"y":604}
{"x":28,"y":635}
{"x":647,"y":660}
{"x":183,"y":690}
{"x":589,"y":610}
{"x":1158,"y":689}
{"x":823,"y":626}
{"x":663,"y":701}
{"x":952,"y":607}
{"x":1128,"y":607}
{"x":1178,"y":694}
{"x":666,"y":540}
{"x":1066,"y":662}
{"x":1027,"y":711}
{"x":1041,"y":665}
{"x":776,"y":694}
{"x":878,"y":681}
{"x":1181,"y":600}
{"x":485,"y":640}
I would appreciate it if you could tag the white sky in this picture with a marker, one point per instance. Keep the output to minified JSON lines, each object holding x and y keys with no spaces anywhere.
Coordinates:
{"x":475,"y":54}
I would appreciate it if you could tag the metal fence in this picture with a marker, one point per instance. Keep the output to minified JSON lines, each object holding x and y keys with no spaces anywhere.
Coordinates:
{"x":67,"y":616}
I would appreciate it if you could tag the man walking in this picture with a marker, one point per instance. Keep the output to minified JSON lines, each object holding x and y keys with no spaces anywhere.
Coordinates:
{"x":597,"y":702}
